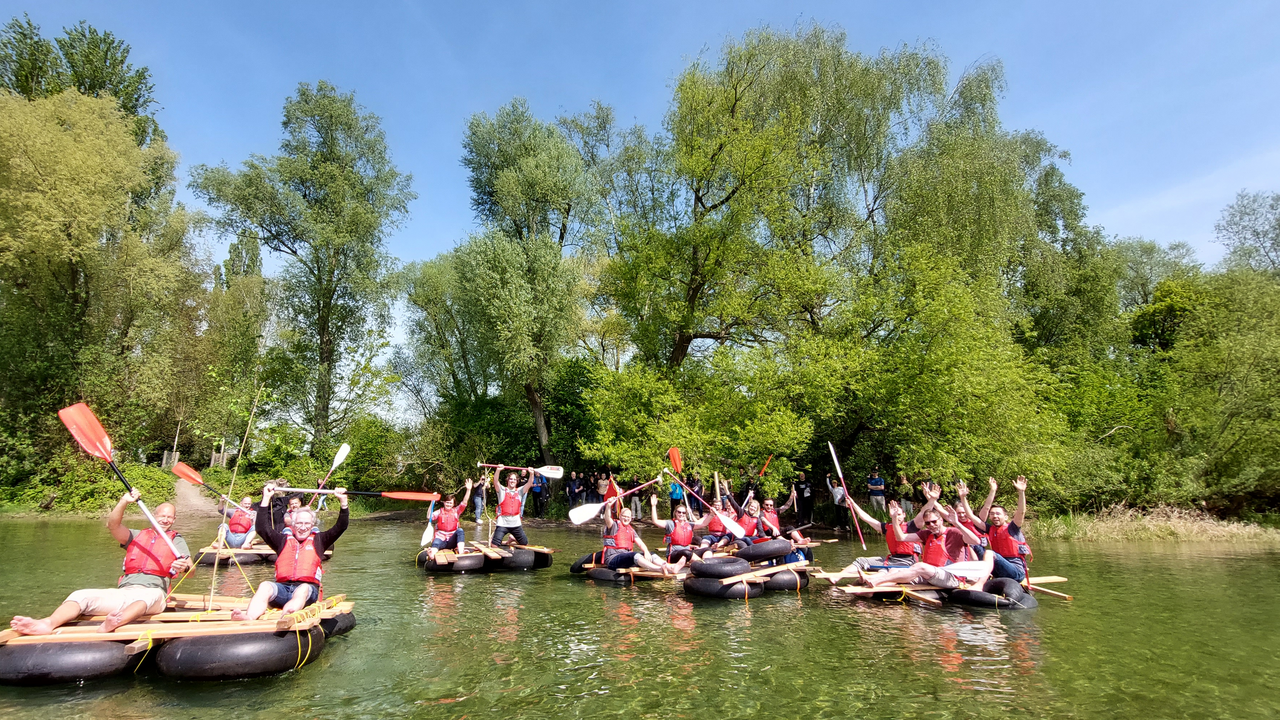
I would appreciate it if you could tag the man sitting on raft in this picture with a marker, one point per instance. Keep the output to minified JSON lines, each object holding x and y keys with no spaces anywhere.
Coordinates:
{"x":1004,"y":535}
{"x":238,"y":529}
{"x":941,"y":548}
{"x":510,"y":507}
{"x":148,"y":565}
{"x":901,"y":553}
{"x":448,"y":534}
{"x":298,"y":570}
{"x":719,"y":535}
{"x":679,"y":530}
{"x":620,"y":541}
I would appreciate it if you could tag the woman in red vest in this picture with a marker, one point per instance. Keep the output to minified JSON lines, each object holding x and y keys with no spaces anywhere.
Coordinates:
{"x":448,"y":534}
{"x":620,"y":541}
{"x":148,"y":565}
{"x":679,"y":530}
{"x":298,"y":572}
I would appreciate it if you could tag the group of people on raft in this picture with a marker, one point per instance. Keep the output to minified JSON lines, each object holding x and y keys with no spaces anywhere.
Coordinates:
{"x":150,"y":563}
{"x":510,"y":511}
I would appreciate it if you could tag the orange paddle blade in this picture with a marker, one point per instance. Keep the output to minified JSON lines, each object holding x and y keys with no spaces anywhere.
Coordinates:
{"x":188,"y":473}
{"x":766,"y":466}
{"x":87,"y":431}
{"x":424,"y":497}
{"x":676,"y":463}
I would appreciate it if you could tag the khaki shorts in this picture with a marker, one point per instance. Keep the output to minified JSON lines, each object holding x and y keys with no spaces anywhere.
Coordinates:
{"x":943,"y":579}
{"x":108,"y":600}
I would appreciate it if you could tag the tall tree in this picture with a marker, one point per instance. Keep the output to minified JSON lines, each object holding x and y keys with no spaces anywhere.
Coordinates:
{"x":1250,"y":228}
{"x":326,"y":202}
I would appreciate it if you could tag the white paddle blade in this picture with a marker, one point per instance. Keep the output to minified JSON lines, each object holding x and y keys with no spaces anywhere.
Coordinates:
{"x":583,"y":513}
{"x":427,"y":535}
{"x":835,"y":459}
{"x":732,"y":526}
{"x":555,"y":472}
{"x":341,"y":456}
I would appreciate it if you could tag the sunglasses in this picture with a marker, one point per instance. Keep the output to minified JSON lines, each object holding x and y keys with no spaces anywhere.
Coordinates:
{"x":932,"y":522}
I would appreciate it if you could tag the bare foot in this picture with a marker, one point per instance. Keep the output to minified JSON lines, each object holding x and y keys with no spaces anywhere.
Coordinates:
{"x":113,"y":621}
{"x":31,"y":626}
{"x":239,"y":615}
{"x":863,"y":577}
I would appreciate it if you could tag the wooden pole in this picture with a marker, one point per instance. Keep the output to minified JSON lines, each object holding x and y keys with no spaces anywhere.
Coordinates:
{"x":213,"y":581}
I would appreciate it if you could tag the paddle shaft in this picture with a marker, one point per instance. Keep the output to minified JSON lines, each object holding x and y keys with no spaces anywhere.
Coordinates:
{"x":714,"y":509}
{"x":852,"y":515}
{"x":143,"y":507}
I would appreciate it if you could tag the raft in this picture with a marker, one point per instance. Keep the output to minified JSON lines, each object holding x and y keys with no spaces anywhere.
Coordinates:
{"x":195,"y":638}
{"x":484,"y":558}
{"x":996,"y":593}
{"x":244,"y":556}
{"x":735,"y":578}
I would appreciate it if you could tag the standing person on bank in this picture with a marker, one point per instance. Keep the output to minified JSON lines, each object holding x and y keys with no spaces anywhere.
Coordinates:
{"x":804,"y":500}
{"x":875,"y":490}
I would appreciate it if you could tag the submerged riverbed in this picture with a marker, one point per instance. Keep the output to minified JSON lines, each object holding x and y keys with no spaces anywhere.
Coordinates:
{"x":1155,"y":631}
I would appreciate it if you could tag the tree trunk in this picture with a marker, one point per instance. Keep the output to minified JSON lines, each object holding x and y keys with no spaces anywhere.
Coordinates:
{"x":324,"y":380}
{"x":539,"y":421}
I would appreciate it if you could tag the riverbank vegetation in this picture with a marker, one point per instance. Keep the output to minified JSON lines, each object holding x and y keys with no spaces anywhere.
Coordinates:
{"x":818,"y":244}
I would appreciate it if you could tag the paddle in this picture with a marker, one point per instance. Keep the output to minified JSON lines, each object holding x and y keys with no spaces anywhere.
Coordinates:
{"x":430,"y":531}
{"x":338,"y":459}
{"x":191,"y":475}
{"x":583,"y":513}
{"x":555,"y":472}
{"x":88,"y":432}
{"x":729,"y":523}
{"x":393,"y":495}
{"x":852,"y":514}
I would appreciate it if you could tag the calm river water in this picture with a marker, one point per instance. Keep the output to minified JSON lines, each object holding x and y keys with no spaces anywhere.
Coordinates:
{"x":1155,"y":631}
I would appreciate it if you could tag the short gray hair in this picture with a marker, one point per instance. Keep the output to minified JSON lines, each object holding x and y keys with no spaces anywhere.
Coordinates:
{"x":306,"y":510}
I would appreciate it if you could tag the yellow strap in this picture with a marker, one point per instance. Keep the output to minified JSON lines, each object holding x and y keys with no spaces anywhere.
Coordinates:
{"x":246,"y":577}
{"x":174,"y":587}
{"x":150,"y":644}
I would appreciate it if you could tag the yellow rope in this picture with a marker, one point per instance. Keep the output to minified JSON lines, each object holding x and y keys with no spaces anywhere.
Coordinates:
{"x":174,"y":588}
{"x":247,"y":581}
{"x":150,"y":644}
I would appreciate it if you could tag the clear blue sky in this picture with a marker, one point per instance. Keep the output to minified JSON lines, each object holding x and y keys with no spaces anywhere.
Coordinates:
{"x":1167,"y":111}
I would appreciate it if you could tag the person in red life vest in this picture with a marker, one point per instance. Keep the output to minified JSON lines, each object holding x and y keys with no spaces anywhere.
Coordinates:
{"x":901,"y":553}
{"x":940,"y":551}
{"x":967,"y":518}
{"x":238,"y":529}
{"x":298,"y":557}
{"x":449,"y":535}
{"x":679,"y":530}
{"x":148,"y":565}
{"x":510,"y":507}
{"x":753,"y":524}
{"x":719,"y":535}
{"x":769,"y":513}
{"x":621,"y":540}
{"x":1012,"y":553}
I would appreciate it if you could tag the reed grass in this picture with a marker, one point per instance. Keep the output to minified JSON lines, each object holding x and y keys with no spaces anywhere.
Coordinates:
{"x":1159,"y":523}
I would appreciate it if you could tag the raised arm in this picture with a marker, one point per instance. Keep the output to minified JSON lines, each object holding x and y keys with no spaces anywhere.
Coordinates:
{"x":467,"y":495}
{"x":991,"y":499}
{"x":1020,"y":515}
{"x":734,"y":503}
{"x":874,"y":523}
{"x":497,"y":484}
{"x":653,"y":510}
{"x":962,"y":491}
{"x":903,"y":536}
{"x":954,"y":519}
{"x":790,"y":501}
{"x":115,"y":519}
{"x":932,"y":491}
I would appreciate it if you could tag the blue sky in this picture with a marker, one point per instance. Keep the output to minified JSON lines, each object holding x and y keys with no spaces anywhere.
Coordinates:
{"x":1167,"y":111}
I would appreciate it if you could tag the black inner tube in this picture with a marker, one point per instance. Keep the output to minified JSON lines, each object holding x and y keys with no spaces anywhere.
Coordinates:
{"x":719,"y":567}
{"x":48,"y":663}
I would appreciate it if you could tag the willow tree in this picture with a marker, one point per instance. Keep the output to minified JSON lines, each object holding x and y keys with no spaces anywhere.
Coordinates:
{"x":326,"y":203}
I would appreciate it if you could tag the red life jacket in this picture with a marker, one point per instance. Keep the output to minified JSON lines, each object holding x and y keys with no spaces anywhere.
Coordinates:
{"x":510,"y":504}
{"x":623,"y":537}
{"x":448,"y":519}
{"x":682,"y":535}
{"x":298,"y":562}
{"x":974,"y":529}
{"x":772,"y":517}
{"x":240,"y":522}
{"x":716,"y":527}
{"x":900,"y":547}
{"x":149,"y":555}
{"x":1008,"y":546}
{"x":935,"y":549}
{"x":748,"y":523}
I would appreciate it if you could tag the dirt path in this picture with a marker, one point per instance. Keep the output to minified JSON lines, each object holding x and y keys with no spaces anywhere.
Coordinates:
{"x":191,"y":501}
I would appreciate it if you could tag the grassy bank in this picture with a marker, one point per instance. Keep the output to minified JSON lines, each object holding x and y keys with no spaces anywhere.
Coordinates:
{"x":1161,"y":523}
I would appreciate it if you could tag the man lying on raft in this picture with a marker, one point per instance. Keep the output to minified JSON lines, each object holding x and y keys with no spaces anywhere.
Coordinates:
{"x":621,"y":539}
{"x":448,"y":534}
{"x":941,"y":548}
{"x":298,"y":570}
{"x":901,"y":553}
{"x":679,"y":530}
{"x":148,"y":565}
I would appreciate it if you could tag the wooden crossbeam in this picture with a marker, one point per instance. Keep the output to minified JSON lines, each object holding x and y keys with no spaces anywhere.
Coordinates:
{"x":1047,"y":579}
{"x":537,"y":548}
{"x":763,"y":572}
{"x":490,"y":552}
{"x":143,"y":631}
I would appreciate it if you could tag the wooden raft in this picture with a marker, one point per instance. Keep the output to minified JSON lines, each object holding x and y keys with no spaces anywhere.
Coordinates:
{"x":759,"y":575}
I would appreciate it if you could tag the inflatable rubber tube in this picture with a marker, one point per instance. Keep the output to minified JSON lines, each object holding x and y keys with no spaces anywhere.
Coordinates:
{"x":588,"y":559}
{"x":48,"y":663}
{"x":242,"y":558}
{"x":604,"y":574}
{"x":542,"y":560}
{"x":719,"y":567}
{"x":229,"y":657}
{"x":461,"y":563}
{"x":767,"y":550}
{"x":711,"y":587}
{"x":1002,"y":593}
{"x":520,"y":559}
{"x":787,"y":580}
{"x":338,"y":624}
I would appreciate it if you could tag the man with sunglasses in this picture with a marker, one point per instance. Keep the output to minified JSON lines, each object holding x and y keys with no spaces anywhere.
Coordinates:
{"x":941,"y":550}
{"x":770,"y":513}
{"x":679,"y":530}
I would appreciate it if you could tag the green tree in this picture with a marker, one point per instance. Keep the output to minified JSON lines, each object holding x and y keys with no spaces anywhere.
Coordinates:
{"x":1250,"y":228}
{"x":326,"y":202}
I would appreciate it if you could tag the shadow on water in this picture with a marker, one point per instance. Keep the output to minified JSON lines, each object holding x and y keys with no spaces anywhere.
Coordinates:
{"x":1156,"y":631}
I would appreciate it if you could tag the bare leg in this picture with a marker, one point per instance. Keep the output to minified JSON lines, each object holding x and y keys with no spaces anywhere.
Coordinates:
{"x":65,"y":613}
{"x":258,"y":604}
{"x":643,"y":561}
{"x":301,"y":594}
{"x":897,"y":576}
{"x":123,"y":616}
{"x":673,"y":568}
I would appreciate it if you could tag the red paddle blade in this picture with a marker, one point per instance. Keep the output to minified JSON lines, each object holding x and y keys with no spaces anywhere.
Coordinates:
{"x":676,"y":463}
{"x":424,"y":497}
{"x":188,"y":473}
{"x":87,"y":431}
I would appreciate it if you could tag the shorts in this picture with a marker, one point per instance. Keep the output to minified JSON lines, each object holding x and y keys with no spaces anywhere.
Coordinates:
{"x":109,"y":600}
{"x":284,"y":593}
{"x":623,"y":559}
{"x":943,"y":579}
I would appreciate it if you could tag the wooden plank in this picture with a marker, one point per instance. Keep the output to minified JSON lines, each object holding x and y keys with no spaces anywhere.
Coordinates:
{"x":537,"y":548}
{"x":1064,"y":596}
{"x":445,"y":557}
{"x":136,"y":631}
{"x":763,"y":572}
{"x":641,"y":572}
{"x":488,"y":551}
{"x":1047,"y":579}
{"x":914,"y":595}
{"x":8,"y":635}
